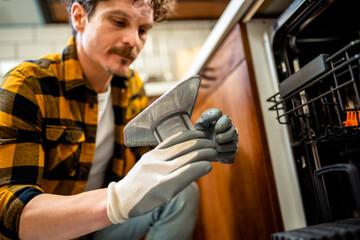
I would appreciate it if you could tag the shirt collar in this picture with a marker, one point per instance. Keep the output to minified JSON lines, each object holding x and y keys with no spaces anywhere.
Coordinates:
{"x":72,"y":72}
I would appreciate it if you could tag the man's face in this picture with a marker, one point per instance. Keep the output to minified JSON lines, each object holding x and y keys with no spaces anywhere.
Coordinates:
{"x":116,"y":33}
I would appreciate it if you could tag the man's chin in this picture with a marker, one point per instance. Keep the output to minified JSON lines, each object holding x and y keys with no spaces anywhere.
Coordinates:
{"x":119,"y":72}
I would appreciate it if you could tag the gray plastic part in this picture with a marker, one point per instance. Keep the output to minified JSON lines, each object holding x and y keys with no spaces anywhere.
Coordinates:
{"x":311,"y":70}
{"x":172,"y":125}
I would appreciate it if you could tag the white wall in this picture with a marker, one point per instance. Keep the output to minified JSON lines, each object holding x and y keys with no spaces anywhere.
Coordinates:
{"x":30,"y":42}
{"x":157,"y":60}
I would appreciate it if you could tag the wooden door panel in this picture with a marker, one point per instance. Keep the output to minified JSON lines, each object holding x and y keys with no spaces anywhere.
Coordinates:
{"x":237,"y":201}
{"x":222,"y":63}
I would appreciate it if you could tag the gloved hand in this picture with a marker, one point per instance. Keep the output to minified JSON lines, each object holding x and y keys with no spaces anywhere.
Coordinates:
{"x":220,"y":129}
{"x":160,"y":174}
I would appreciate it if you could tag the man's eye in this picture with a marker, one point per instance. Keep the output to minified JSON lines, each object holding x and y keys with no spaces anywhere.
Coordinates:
{"x":120,"y":23}
{"x":142,"y":31}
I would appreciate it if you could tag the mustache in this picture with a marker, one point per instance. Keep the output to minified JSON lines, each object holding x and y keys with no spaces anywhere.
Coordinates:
{"x":125,"y":51}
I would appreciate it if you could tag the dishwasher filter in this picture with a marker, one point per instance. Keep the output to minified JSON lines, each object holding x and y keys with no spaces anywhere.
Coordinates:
{"x":168,"y":115}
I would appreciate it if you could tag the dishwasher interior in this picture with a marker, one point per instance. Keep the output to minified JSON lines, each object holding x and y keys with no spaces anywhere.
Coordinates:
{"x":316,"y":49}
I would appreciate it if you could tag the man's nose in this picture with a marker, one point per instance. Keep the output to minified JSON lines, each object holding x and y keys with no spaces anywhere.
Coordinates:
{"x":131,"y":38}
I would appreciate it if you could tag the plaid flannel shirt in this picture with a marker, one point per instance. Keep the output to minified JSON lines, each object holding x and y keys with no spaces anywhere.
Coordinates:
{"x":48,"y":121}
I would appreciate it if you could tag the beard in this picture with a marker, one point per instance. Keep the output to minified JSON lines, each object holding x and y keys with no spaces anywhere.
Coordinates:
{"x":127,"y":52}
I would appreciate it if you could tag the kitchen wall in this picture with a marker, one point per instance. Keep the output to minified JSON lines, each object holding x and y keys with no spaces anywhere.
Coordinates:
{"x":169,"y":50}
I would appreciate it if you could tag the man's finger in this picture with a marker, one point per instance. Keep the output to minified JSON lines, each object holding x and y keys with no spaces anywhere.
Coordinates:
{"x":228,"y":136}
{"x":223,"y":124}
{"x":207,"y":118}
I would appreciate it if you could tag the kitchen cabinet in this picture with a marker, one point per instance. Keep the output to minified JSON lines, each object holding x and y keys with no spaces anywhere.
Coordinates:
{"x":54,"y":11}
{"x":237,"y":201}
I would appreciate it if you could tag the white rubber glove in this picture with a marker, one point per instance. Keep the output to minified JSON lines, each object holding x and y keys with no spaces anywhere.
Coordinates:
{"x":160,"y":174}
{"x":220,"y":129}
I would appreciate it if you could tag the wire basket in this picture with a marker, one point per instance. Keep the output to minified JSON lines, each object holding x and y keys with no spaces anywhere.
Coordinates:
{"x":321,"y":100}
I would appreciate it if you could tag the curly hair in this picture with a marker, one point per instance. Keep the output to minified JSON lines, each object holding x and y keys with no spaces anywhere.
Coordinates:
{"x":160,"y":7}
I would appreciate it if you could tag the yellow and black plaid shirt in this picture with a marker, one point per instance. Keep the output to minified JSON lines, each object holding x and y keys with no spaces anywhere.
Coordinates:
{"x":48,"y":121}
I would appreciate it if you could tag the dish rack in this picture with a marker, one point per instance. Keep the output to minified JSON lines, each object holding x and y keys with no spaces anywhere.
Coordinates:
{"x":321,"y":100}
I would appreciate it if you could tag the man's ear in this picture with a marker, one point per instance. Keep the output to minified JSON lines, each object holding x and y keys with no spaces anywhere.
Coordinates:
{"x":78,"y":16}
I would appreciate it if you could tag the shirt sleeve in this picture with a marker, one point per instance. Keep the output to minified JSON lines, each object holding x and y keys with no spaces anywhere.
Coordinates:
{"x":21,"y":153}
{"x":137,"y":98}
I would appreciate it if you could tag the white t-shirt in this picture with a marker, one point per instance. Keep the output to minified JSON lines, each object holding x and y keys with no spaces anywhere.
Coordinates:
{"x":104,"y":143}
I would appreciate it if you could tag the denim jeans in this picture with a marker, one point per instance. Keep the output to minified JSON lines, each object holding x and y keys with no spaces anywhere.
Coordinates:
{"x":175,"y":220}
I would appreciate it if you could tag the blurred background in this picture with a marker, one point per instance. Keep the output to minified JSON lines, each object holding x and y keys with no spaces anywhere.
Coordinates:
{"x":32,"y":28}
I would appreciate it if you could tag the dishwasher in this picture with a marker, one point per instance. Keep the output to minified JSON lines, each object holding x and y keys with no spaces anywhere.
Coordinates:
{"x":316,"y":50}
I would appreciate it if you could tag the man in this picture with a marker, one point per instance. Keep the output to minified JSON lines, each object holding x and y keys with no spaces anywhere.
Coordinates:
{"x":61,"y":141}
